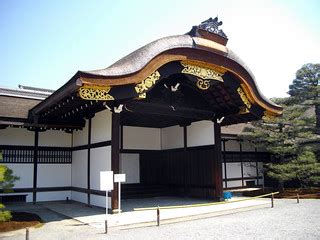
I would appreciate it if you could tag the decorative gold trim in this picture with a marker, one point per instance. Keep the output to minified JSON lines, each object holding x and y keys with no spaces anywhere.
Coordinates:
{"x":95,"y":93}
{"x":267,"y":116}
{"x":146,"y":84}
{"x":244,"y":110}
{"x":203,"y":84}
{"x":202,"y":71}
{"x":244,"y":97}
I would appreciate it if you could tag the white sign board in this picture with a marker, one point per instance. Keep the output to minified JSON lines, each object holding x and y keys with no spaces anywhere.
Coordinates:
{"x":119,"y":178}
{"x":106,"y":180}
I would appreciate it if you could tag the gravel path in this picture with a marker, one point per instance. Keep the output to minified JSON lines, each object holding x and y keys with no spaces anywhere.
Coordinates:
{"x":287,"y":220}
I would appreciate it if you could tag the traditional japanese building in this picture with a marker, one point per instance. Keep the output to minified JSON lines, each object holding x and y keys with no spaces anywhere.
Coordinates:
{"x":155,"y":115}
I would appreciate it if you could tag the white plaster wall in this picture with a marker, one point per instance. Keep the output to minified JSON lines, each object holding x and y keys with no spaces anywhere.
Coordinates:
{"x":99,"y":201}
{"x":237,"y":183}
{"x":54,"y":175}
{"x":233,"y":170}
{"x":249,"y":169}
{"x":130,"y":165}
{"x":24,"y":171}
{"x":232,"y":145}
{"x":100,"y":160}
{"x":200,"y":133}
{"x":141,"y":138}
{"x":53,"y":196}
{"x":260,"y":167}
{"x":79,"y":196}
{"x":101,"y":127}
{"x":223,"y":171}
{"x":80,"y":137}
{"x":79,"y":168}
{"x":55,"y":138}
{"x":16,"y":136}
{"x":172,"y":137}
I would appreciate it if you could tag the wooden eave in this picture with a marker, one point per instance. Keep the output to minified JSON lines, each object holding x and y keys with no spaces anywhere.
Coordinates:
{"x":121,"y":78}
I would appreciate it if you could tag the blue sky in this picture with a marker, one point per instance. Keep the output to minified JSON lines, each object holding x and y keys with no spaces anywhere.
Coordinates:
{"x":43,"y":43}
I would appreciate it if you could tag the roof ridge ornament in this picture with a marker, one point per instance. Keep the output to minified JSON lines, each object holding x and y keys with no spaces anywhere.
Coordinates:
{"x":209,"y":29}
{"x":212,"y":25}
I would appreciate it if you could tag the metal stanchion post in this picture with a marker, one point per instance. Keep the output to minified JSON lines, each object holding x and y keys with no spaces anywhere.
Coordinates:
{"x":272,"y":199}
{"x":158,"y":216}
{"x":27,"y":233}
{"x":298,"y":199}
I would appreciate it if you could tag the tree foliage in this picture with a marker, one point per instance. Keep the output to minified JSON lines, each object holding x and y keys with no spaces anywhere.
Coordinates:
{"x":293,"y":137}
{"x":305,"y":89}
{"x":6,"y":183}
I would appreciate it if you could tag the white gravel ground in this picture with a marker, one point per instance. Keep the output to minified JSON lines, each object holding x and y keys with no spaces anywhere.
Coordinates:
{"x":287,"y":220}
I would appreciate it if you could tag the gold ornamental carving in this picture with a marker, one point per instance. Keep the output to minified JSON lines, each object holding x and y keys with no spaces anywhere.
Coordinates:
{"x":95,"y":93}
{"x":146,"y":84}
{"x":244,"y":110}
{"x":203,"y":84}
{"x":244,"y":97}
{"x":268,"y":117}
{"x":202,"y":71}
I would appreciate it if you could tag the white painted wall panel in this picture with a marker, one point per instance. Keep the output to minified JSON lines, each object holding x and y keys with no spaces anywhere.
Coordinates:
{"x":223,"y":171}
{"x":24,"y":171}
{"x":200,"y":133}
{"x":16,"y":136}
{"x":80,"y":137}
{"x":100,"y":161}
{"x":79,"y":168}
{"x":249,"y":169}
{"x":54,"y":175}
{"x":79,"y":196}
{"x":232,"y":184}
{"x":233,"y":170}
{"x":141,"y":138}
{"x":172,"y":137}
{"x":55,"y":138}
{"x":53,"y":196}
{"x":260,"y":167}
{"x":101,"y":127}
{"x":99,"y":201}
{"x":129,"y":164}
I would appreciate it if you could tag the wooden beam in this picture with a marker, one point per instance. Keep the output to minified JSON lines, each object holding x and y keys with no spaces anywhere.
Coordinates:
{"x":35,"y":166}
{"x":257,"y":166}
{"x":185,"y":166}
{"x":89,"y":160}
{"x":115,"y":157}
{"x":217,"y":160}
{"x":225,"y":163}
{"x":241,"y":162}
{"x":167,"y":110}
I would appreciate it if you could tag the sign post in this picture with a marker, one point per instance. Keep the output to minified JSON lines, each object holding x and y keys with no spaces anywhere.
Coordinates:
{"x":119,"y":178}
{"x":106,"y":184}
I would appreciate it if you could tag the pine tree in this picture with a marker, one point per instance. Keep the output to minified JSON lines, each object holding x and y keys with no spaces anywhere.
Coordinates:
{"x":6,"y":183}
{"x":305,"y":89}
{"x":285,"y":137}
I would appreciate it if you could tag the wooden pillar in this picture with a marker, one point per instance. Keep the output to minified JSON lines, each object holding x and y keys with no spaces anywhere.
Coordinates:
{"x":241,"y":162}
{"x":225,"y":163}
{"x":115,"y":156}
{"x":217,"y":160}
{"x":89,"y":161}
{"x":257,"y":166}
{"x":185,"y":165}
{"x":35,"y":166}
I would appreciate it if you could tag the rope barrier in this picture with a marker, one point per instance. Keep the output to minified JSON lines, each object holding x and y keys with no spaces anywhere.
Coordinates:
{"x":204,"y":204}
